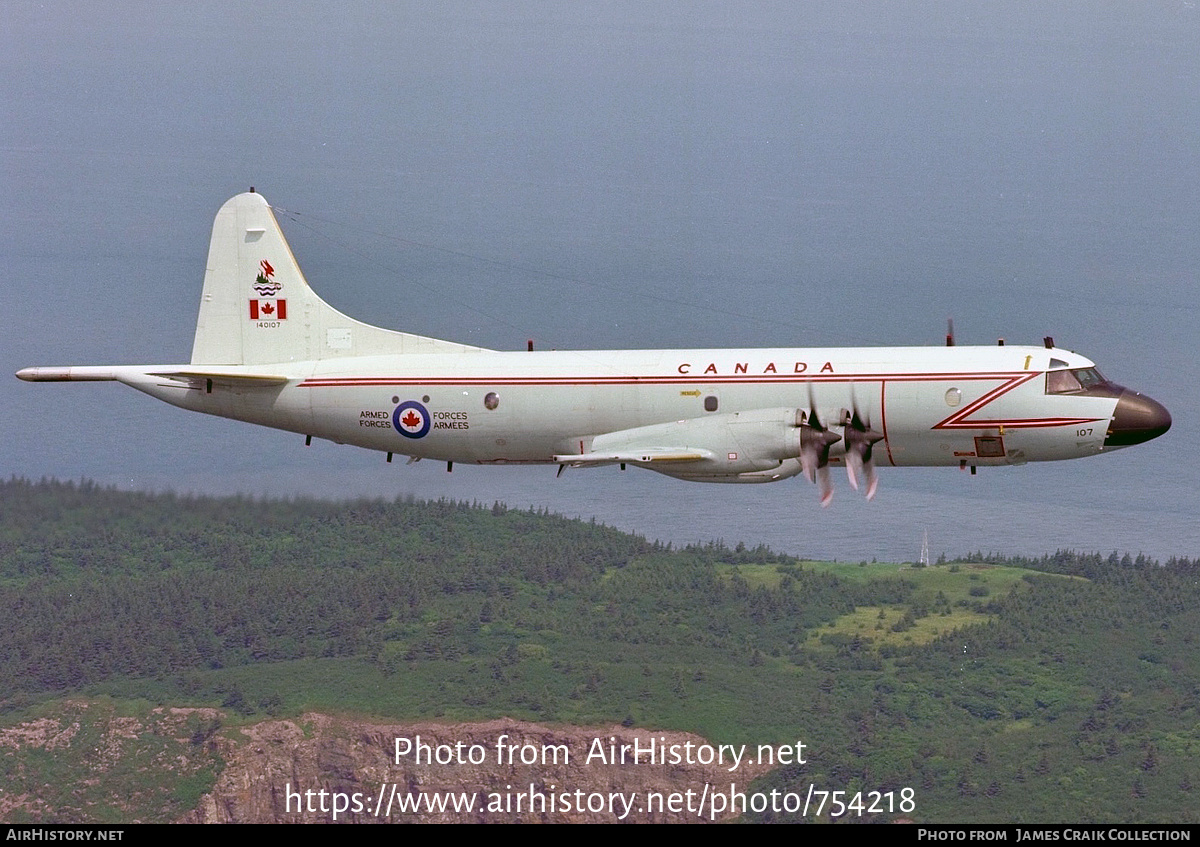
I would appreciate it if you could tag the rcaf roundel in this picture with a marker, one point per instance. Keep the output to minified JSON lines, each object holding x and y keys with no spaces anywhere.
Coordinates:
{"x":411,"y":419}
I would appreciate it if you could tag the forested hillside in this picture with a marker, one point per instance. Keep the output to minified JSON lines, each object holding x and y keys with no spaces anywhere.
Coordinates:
{"x":1064,"y":688}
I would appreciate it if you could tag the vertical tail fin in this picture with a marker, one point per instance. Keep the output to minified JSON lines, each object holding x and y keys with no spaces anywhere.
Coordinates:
{"x":258,"y":309}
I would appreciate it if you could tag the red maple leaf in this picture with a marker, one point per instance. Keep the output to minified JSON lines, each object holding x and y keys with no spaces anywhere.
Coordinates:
{"x":411,"y":420}
{"x":266,"y":308}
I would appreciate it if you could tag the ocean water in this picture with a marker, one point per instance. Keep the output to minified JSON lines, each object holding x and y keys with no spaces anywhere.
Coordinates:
{"x":620,"y":176}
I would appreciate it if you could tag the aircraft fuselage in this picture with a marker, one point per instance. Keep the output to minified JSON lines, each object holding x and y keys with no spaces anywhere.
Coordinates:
{"x":931,"y":404}
{"x":268,"y":350}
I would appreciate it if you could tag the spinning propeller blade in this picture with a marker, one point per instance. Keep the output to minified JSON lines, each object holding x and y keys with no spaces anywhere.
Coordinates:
{"x":860,"y":441}
{"x":815,"y":441}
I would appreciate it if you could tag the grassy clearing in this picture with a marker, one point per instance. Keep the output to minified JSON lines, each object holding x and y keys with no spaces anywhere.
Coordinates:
{"x":945,"y":598}
{"x":878,"y":626}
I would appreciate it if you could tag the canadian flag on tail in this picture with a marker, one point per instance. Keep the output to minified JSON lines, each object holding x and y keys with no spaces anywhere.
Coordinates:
{"x":268,"y":310}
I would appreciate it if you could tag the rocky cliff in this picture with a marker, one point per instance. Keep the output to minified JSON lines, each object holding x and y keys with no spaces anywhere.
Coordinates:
{"x":84,"y":762}
{"x":320,"y":768}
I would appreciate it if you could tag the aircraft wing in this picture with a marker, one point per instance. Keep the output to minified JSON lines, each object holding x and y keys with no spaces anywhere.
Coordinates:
{"x":645,"y":455}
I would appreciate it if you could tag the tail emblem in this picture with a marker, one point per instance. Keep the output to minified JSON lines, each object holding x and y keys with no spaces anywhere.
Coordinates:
{"x":267,"y":310}
{"x":263,"y":283}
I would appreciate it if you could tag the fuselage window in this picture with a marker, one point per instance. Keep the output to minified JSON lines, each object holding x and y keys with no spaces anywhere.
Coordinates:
{"x":710,"y":403}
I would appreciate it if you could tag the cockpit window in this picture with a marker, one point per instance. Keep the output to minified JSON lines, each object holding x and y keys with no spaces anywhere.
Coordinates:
{"x":1071,"y":381}
{"x":1089,"y":377}
{"x":1062,"y":382}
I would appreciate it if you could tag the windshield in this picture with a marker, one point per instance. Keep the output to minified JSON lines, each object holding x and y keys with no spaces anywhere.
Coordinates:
{"x":1071,"y":381}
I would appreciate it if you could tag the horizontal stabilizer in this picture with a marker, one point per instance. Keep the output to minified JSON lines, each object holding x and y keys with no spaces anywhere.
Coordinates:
{"x":221,"y":376}
{"x":128,"y":373}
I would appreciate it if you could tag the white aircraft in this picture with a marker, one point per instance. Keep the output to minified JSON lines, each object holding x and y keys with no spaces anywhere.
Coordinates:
{"x":269,"y":351}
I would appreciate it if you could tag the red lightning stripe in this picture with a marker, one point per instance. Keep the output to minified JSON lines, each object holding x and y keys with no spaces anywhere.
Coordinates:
{"x":961,"y":418}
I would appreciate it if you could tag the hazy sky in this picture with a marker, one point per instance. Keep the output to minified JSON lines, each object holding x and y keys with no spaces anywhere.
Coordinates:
{"x":617,"y":175}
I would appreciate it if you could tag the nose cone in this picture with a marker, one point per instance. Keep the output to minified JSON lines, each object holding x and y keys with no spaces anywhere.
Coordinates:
{"x":1137,"y":418}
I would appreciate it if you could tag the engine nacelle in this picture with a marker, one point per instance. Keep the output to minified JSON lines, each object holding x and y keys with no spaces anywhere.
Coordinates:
{"x":761,"y":445}
{"x":787,"y":468}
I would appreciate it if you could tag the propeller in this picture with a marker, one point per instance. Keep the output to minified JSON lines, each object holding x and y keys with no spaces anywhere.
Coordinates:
{"x":860,"y":440}
{"x":815,"y":441}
